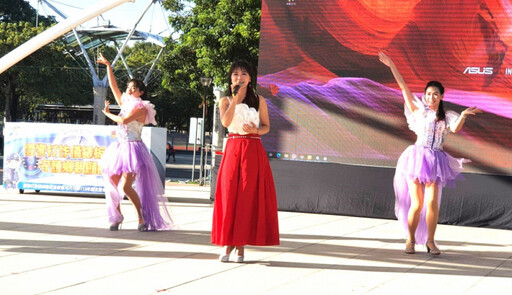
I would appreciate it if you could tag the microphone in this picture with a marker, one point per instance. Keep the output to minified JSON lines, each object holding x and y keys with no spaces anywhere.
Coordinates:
{"x":237,"y":87}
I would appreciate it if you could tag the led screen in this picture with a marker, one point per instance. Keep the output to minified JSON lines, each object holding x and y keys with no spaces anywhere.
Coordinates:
{"x":331,"y":100}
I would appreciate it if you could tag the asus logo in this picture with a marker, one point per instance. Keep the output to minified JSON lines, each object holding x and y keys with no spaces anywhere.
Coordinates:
{"x":478,"y":71}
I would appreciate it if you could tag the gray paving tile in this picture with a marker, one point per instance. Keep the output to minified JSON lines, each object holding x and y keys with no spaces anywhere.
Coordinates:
{"x":60,"y":244}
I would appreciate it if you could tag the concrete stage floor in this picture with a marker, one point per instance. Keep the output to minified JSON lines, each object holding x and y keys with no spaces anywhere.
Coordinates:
{"x":60,"y":244}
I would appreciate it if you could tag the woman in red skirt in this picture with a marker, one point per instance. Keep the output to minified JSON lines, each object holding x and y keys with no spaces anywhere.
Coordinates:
{"x":245,"y":210}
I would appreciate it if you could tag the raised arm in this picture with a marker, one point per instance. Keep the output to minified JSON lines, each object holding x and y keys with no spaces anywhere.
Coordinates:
{"x":462,"y":119}
{"x":111,"y":78}
{"x":227,"y":111}
{"x":408,"y":96}
{"x":264,"y":120}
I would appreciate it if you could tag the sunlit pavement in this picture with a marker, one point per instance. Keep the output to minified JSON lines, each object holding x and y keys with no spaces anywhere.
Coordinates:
{"x":60,"y":244}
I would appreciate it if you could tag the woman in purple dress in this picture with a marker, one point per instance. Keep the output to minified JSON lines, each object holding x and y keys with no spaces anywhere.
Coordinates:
{"x":424,"y":168}
{"x":127,"y":160}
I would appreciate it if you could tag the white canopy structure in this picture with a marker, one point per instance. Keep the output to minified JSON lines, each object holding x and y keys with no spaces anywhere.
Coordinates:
{"x":80,"y":39}
{"x":55,"y":32}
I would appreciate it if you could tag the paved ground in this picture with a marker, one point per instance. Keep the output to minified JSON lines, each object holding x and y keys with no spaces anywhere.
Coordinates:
{"x":60,"y":244}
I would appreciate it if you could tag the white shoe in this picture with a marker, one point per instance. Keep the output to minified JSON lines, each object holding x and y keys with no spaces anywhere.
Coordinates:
{"x":239,"y":259}
{"x":224,"y":258}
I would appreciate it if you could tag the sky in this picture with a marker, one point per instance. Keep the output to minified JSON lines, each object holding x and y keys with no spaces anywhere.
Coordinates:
{"x":123,"y":16}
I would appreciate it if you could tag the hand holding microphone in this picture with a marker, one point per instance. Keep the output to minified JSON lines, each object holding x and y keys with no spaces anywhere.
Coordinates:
{"x":237,"y":88}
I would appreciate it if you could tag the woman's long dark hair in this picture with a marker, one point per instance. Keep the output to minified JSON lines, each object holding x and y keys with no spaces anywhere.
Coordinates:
{"x":251,"y":99}
{"x":141,"y":86}
{"x":440,"y":115}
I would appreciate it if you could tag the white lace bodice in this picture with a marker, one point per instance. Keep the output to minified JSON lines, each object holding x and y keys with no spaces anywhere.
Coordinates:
{"x":129,"y":132}
{"x":243,"y":115}
{"x":431,"y":133}
{"x":133,"y":130}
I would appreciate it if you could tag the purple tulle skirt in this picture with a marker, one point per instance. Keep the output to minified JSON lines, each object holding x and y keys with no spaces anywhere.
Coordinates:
{"x":134,"y":157}
{"x":426,"y":165}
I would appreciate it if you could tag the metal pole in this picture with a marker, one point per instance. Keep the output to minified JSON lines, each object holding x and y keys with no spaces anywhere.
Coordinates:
{"x":218,"y":131}
{"x":201,"y":169}
{"x":206,"y":175}
{"x":82,"y":47}
{"x":194,"y":154}
{"x":120,"y":51}
{"x":146,"y":79}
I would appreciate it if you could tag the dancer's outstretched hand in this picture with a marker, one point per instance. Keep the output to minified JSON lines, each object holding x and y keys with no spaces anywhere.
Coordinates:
{"x":106,"y":109}
{"x":470,"y":111}
{"x":385,"y":59}
{"x":102,"y":60}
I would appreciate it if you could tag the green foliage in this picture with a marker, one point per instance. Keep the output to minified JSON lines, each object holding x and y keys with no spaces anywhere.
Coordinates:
{"x":213,"y":34}
{"x":45,"y":76}
{"x":19,"y":10}
{"x":181,"y":79}
{"x":219,"y":31}
{"x":170,"y":113}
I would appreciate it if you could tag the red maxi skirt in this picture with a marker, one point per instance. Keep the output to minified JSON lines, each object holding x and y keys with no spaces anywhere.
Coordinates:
{"x":245,"y":209}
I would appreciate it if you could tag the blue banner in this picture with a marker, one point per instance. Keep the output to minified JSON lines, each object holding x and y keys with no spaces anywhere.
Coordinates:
{"x":55,"y":157}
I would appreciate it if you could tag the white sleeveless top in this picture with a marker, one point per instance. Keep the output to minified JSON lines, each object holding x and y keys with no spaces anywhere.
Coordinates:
{"x":243,"y":115}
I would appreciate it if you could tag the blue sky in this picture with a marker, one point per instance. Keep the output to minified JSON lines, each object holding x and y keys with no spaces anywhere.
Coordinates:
{"x":123,"y":16}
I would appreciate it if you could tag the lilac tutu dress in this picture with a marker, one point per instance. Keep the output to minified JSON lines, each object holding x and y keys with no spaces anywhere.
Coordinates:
{"x":425,"y":161}
{"x":130,"y":155}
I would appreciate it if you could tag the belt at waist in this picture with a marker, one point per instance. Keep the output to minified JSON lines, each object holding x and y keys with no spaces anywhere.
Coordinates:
{"x":245,"y":136}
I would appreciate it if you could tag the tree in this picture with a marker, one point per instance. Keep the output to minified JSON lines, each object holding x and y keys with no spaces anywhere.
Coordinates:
{"x":213,"y":34}
{"x":45,"y":76}
{"x":19,"y":10}
{"x":181,"y":80}
{"x":42,"y":77}
{"x":219,"y":31}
